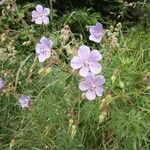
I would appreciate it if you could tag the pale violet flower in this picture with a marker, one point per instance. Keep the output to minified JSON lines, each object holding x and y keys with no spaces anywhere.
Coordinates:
{"x":96,"y":32}
{"x":1,"y":83}
{"x":87,"y":61}
{"x":43,"y":49}
{"x":92,"y":86}
{"x":40,"y":15}
{"x":1,"y":2}
{"x":24,"y":101}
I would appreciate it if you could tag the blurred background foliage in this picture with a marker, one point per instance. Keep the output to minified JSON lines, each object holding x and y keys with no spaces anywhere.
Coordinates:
{"x":120,"y":10}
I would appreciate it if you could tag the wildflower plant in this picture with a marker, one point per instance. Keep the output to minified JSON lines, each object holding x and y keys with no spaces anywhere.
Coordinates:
{"x":61,"y":71}
{"x":24,"y":101}
{"x":96,"y":32}
{"x":1,"y":83}
{"x":87,"y":61}
{"x":43,"y":49}
{"x":92,"y":86}
{"x":40,"y":15}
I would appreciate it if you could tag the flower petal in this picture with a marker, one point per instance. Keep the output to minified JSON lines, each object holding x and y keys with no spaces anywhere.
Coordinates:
{"x":95,"y":55}
{"x":38,"y":48}
{"x":90,"y":94}
{"x":48,"y":43}
{"x":39,"y":8}
{"x":90,"y":78}
{"x":92,"y":29}
{"x":35,"y":14}
{"x":95,"y":68}
{"x":38,"y":20}
{"x":99,"y":26}
{"x":45,"y":20}
{"x":84,"y":71}
{"x":93,"y":38}
{"x":99,"y":91}
{"x":84,"y":52}
{"x":46,"y":11}
{"x":83,"y":86}
{"x":42,"y":57}
{"x":99,"y":80}
{"x":76,"y":62}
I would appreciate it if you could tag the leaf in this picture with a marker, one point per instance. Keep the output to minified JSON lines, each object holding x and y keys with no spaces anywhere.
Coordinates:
{"x":68,"y":80}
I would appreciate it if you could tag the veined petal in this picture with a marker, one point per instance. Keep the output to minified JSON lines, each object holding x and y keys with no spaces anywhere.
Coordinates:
{"x":38,"y":48}
{"x":90,"y":94}
{"x":84,"y":71}
{"x":42,"y":57}
{"x":99,"y":26}
{"x":90,"y":78}
{"x":99,"y":80}
{"x":35,"y":14}
{"x":83,"y":86}
{"x":95,"y":68}
{"x":95,"y":55}
{"x":39,"y":8}
{"x":46,"y":11}
{"x":38,"y":20}
{"x":45,"y":20}
{"x":84,"y":52}
{"x":48,"y":43}
{"x":76,"y":62}
{"x":99,"y":90}
{"x":93,"y":38}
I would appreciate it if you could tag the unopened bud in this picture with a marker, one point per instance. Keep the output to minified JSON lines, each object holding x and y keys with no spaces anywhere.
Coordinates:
{"x":8,"y":7}
{"x":24,"y":43}
{"x":119,"y":25}
{"x":113,"y":78}
{"x":3,"y":39}
{"x":73,"y":131}
{"x":111,"y":28}
{"x":70,"y":123}
{"x":102,"y":116}
{"x":28,"y":42}
{"x":121,"y":84}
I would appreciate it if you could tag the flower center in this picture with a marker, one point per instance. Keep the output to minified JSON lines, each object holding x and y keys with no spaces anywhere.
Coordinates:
{"x":87,"y":63}
{"x":43,"y":52}
{"x":98,"y":34}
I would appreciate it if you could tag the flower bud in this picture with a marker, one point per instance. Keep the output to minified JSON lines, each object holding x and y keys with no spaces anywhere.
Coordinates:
{"x":28,"y":43}
{"x":121,"y":84}
{"x":8,"y":7}
{"x":70,"y":123}
{"x":73,"y":131}
{"x":3,"y":39}
{"x":113,"y":78}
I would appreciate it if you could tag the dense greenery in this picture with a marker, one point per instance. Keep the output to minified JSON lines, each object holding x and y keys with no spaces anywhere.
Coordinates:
{"x":59,"y":118}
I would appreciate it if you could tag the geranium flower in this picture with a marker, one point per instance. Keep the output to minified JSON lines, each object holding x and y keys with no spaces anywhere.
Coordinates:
{"x":43,"y":49}
{"x":1,"y":83}
{"x":87,"y":61}
{"x":97,"y":32}
{"x":40,"y":15}
{"x":24,"y":101}
{"x":92,"y":86}
{"x":1,"y":2}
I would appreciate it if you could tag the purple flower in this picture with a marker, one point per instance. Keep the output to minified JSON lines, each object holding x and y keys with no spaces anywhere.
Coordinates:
{"x":43,"y":49}
{"x":92,"y":86}
{"x":1,"y":2}
{"x":24,"y":101}
{"x":40,"y":15}
{"x":87,"y":61}
{"x":1,"y":83}
{"x":97,"y":32}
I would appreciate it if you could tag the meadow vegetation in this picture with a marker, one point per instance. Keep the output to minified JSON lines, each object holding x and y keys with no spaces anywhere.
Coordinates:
{"x":59,"y":116}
